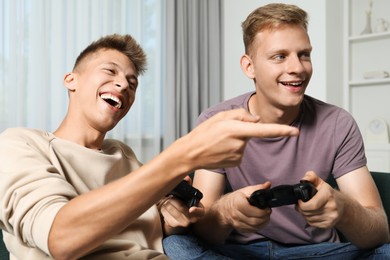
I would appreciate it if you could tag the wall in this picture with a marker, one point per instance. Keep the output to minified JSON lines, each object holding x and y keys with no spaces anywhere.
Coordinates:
{"x":325,"y":30}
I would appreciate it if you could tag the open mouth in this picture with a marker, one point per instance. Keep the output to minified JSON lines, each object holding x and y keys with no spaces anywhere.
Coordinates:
{"x":112,"y":100}
{"x":293,"y":84}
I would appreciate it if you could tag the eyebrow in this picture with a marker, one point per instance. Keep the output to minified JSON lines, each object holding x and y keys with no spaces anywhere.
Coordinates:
{"x":129,"y":77}
{"x":284,"y":51}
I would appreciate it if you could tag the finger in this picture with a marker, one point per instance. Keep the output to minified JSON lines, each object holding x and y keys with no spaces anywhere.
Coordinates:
{"x":259,"y":213}
{"x":239,"y":114}
{"x":250,"y":126}
{"x":306,"y":212}
{"x":175,"y":213}
{"x":255,"y":222}
{"x":196,"y":213}
{"x":249,"y":129}
{"x":175,"y":220}
{"x":312,"y":177}
{"x":250,"y":189}
{"x":319,"y":221}
{"x":188,"y":179}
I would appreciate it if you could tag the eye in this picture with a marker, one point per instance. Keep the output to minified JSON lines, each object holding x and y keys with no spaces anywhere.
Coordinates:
{"x":109,"y":71}
{"x":133,"y":82}
{"x":133,"y":85}
{"x":305,"y":55}
{"x":279,"y":57}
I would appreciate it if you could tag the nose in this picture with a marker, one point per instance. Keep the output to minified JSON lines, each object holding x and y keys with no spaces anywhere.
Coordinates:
{"x":121,"y":83}
{"x":294,"y":64}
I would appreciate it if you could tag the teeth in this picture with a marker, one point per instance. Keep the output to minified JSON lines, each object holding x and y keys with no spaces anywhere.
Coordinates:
{"x":113,"y":100}
{"x":293,"y":83}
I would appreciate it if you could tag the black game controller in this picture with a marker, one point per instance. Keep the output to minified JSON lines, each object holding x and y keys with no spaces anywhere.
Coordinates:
{"x":282,"y":195}
{"x":190,"y":195}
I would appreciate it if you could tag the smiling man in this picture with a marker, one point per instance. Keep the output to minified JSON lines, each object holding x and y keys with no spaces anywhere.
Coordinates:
{"x":73,"y":194}
{"x":278,"y":60}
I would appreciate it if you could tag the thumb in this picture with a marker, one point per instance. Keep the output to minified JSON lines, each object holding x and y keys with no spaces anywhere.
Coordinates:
{"x":312,"y":177}
{"x":188,"y":179}
{"x":250,"y":189}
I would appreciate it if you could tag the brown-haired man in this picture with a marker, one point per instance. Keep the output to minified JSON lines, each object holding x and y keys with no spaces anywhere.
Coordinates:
{"x":73,"y":194}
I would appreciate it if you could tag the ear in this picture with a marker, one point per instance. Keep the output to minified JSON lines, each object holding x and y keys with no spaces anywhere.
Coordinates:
{"x":247,"y":66}
{"x":70,"y":81}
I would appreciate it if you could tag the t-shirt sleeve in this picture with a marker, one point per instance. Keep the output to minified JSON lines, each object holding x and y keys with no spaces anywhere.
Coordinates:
{"x":350,"y":154}
{"x":204,"y":116}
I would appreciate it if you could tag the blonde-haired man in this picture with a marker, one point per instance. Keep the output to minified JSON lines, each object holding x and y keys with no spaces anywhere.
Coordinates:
{"x":278,"y":60}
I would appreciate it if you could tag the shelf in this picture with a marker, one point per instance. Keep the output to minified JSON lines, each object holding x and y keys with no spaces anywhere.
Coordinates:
{"x":369,"y":37}
{"x":367,"y":98}
{"x":365,"y":82}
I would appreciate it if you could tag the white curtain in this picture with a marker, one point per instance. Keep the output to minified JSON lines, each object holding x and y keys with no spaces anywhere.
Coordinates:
{"x":39,"y":42}
{"x":192,"y":63}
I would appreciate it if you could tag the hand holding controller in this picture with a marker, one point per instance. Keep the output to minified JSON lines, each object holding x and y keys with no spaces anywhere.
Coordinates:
{"x":282,"y":195}
{"x":188,"y":194}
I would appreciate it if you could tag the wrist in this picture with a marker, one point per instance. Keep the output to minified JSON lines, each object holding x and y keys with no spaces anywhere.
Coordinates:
{"x":223,"y":208}
{"x":342,"y":204}
{"x":184,"y":154}
{"x":168,"y":230}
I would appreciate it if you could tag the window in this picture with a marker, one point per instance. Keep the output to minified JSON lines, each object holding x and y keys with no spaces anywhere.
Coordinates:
{"x":39,"y":42}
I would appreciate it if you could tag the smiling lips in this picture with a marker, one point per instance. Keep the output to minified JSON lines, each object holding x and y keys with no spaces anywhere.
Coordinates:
{"x":112,"y":100}
{"x":292,"y":84}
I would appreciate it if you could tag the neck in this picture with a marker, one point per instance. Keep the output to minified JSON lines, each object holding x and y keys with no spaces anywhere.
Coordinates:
{"x":273,"y":114}
{"x":85,"y":136}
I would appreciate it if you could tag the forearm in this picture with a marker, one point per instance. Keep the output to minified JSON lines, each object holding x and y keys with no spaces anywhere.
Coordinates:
{"x":90,"y":219}
{"x":365,"y":227}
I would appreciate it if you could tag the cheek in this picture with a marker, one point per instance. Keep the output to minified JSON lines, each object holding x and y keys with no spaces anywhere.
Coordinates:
{"x":309,"y":69}
{"x":131,"y":100}
{"x":132,"y":96}
{"x":268,"y":72}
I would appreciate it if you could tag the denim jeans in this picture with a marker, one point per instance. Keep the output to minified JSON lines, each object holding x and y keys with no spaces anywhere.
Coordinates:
{"x":179,"y":247}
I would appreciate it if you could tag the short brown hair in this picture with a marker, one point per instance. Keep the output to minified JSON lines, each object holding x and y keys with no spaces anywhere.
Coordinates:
{"x":271,"y":16}
{"x":122,"y":43}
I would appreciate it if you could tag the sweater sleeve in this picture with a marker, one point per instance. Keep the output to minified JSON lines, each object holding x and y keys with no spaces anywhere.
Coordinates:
{"x":31,"y":189}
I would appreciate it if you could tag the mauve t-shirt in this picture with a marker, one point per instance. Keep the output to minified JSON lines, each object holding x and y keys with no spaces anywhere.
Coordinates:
{"x":329,"y":143}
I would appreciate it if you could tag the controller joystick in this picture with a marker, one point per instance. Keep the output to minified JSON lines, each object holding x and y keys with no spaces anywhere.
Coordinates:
{"x":282,"y":195}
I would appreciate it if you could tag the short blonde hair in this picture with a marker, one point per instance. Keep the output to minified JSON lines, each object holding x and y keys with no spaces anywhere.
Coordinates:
{"x":271,"y":16}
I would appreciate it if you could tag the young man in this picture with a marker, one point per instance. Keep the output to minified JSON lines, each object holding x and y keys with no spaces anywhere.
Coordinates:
{"x":73,"y":194}
{"x":277,"y":58}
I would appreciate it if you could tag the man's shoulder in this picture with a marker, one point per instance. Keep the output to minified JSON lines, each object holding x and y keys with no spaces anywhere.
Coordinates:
{"x":311,"y":101}
{"x":330,"y":118}
{"x":23,"y":133}
{"x":321,"y":107}
{"x":229,"y":104}
{"x":15,"y":142}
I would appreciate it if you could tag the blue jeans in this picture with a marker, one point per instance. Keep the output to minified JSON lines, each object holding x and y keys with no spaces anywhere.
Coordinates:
{"x":179,"y":247}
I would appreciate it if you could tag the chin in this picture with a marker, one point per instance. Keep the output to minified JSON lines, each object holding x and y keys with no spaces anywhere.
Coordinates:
{"x":294,"y":101}
{"x":107,"y":126}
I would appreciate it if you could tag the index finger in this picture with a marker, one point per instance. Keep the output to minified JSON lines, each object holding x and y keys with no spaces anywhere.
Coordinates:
{"x":249,"y":129}
{"x":239,"y":114}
